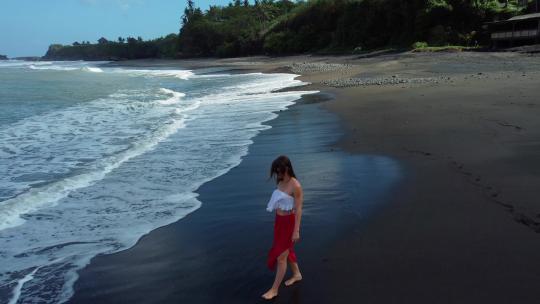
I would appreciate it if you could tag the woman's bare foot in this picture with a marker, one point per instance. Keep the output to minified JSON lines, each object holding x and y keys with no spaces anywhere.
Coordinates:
{"x":270,"y":294}
{"x":294,"y":278}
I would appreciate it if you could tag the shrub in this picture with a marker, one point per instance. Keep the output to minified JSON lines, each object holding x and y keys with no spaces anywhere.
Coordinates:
{"x":420,"y":45}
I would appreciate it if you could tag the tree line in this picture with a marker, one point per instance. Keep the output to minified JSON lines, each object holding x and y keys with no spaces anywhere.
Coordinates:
{"x":336,"y":26}
{"x":121,"y":49}
{"x":278,"y":27}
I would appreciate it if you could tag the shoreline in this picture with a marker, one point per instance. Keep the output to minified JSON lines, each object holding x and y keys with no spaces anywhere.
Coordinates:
{"x":208,"y":247}
{"x":462,"y":225}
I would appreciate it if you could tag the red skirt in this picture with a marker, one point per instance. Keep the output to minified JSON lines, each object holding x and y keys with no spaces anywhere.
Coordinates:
{"x":283,"y":231}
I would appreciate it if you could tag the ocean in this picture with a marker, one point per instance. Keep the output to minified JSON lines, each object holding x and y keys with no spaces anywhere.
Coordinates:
{"x":95,"y":156}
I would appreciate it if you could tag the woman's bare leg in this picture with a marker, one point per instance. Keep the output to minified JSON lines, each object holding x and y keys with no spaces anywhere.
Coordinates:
{"x":280,"y":273}
{"x":296,"y":275}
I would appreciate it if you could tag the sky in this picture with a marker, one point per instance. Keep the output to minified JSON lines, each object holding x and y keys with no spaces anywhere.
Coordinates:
{"x":28,"y":27}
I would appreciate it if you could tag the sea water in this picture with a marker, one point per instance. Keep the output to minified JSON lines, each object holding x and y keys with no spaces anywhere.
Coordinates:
{"x":94,"y":156}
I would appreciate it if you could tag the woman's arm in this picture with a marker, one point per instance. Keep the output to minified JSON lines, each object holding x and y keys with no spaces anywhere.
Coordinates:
{"x":298,"y":204}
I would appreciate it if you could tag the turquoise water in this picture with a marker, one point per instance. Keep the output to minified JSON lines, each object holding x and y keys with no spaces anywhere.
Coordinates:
{"x":93,"y":157}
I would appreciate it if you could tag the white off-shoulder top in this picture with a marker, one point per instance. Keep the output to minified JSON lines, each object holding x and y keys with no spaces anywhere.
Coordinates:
{"x":280,"y":200}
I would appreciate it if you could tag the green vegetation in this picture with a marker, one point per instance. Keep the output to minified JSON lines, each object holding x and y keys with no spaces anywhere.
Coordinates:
{"x":336,"y":26}
{"x":128,"y":48}
{"x":234,"y":30}
{"x":419,"y":45}
{"x":314,"y":26}
{"x":424,"y":47}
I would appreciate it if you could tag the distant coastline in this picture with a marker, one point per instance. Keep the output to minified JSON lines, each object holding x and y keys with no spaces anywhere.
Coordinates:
{"x":123,"y":49}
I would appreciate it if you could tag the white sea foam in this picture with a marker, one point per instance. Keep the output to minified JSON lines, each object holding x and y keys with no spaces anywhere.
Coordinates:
{"x":95,"y":177}
{"x":175,"y":98}
{"x":54,"y":132}
{"x":21,"y":63}
{"x":48,"y":196}
{"x":223,"y":75}
{"x":97,"y":67}
{"x":52,"y":67}
{"x":92,"y":69}
{"x":181,"y":74}
{"x":20,"y":283}
{"x":86,"y":66}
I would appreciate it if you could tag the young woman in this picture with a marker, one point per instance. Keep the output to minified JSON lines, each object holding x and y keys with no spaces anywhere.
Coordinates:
{"x":287,"y":201}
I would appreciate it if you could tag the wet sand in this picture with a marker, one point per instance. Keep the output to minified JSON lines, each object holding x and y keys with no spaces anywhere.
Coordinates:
{"x":218,"y":253}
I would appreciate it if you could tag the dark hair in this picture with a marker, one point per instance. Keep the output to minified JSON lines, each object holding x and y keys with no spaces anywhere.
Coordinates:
{"x":281,"y":164}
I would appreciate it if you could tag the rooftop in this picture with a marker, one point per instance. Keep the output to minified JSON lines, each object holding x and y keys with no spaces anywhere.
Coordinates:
{"x":518,"y":18}
{"x":524,"y":17}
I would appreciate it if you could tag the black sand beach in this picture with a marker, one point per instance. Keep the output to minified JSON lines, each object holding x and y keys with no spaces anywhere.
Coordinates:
{"x":218,"y":253}
{"x":460,"y":226}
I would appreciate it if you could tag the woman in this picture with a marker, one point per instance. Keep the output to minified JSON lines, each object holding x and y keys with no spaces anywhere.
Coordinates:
{"x":287,"y":201}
